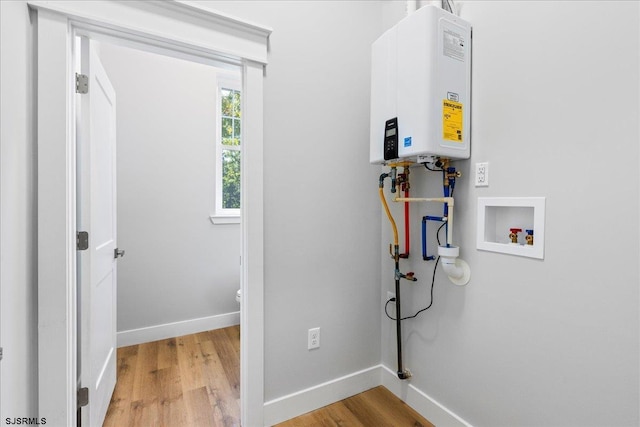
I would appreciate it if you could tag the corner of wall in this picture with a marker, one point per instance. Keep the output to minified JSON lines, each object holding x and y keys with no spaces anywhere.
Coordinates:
{"x":425,"y":405}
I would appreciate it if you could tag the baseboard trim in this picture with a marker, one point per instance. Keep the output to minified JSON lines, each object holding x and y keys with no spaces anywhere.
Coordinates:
{"x":176,"y":329}
{"x":310,"y":399}
{"x":421,"y":402}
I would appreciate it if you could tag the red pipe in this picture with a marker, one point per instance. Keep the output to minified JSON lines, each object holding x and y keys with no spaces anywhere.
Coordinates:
{"x":406,"y":221}
{"x":405,"y":186}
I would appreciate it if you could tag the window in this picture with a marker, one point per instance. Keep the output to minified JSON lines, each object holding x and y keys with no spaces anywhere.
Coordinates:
{"x":228,"y":150}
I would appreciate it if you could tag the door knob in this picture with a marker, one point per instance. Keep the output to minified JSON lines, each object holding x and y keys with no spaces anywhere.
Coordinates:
{"x":118,"y":253}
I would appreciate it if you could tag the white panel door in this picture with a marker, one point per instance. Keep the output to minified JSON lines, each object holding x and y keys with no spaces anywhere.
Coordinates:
{"x":97,"y":215}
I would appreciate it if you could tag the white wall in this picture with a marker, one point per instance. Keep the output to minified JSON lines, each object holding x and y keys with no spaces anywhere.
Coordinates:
{"x":18,"y":290}
{"x":178,"y":266}
{"x":321,"y":208}
{"x":555,"y":113}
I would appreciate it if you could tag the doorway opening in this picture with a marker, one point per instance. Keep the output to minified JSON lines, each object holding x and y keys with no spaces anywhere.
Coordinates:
{"x":184,"y":30}
{"x":177,"y":173}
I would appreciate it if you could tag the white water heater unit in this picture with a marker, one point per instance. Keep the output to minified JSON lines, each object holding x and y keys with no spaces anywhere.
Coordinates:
{"x":421,"y":89}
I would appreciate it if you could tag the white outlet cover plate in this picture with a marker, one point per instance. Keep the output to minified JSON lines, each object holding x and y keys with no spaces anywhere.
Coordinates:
{"x":482,"y":174}
{"x":313,"y":339}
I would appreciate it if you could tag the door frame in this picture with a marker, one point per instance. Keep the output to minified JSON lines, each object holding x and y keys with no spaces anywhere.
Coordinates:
{"x":182,"y":29}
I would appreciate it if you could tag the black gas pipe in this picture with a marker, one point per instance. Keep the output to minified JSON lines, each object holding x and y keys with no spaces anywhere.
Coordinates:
{"x":403,"y":374}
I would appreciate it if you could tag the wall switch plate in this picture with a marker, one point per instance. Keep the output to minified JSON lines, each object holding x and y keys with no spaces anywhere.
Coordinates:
{"x":482,"y":174}
{"x":313,"y":338}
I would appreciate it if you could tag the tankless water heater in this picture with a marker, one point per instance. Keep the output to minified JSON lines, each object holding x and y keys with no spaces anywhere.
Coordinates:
{"x":421,"y":88}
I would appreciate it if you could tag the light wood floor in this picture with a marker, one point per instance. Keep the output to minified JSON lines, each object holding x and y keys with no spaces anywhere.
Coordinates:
{"x":377,"y":407}
{"x":194,"y":381}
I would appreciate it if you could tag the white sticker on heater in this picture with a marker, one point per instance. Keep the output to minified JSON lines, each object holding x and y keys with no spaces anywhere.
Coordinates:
{"x":453,"y":44}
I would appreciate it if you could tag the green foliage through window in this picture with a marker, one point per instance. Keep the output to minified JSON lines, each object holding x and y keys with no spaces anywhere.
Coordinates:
{"x":231,"y":139}
{"x":230,"y":117}
{"x":230,"y":179}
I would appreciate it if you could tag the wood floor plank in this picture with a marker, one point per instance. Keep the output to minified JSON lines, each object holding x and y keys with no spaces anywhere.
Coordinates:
{"x":338,"y":415}
{"x":333,"y":415}
{"x":219,"y":388}
{"x":229,"y":357}
{"x":171,"y":405}
{"x":368,"y":415}
{"x":167,"y":353}
{"x":376,"y":407}
{"x":189,"y":360}
{"x":145,"y":382}
{"x":144,"y":394}
{"x":199,"y":409}
{"x":212,"y":371}
{"x":144,"y":413}
{"x":120,"y":406}
{"x":405,"y":412}
{"x":380,"y":406}
{"x":233,"y":333}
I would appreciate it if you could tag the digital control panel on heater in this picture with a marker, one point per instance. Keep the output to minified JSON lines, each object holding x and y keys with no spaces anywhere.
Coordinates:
{"x":391,"y":139}
{"x":421,"y":81}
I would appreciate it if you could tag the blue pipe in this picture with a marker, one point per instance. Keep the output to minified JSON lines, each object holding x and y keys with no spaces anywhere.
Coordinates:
{"x":424,"y":239}
{"x":425,"y":256}
{"x":452,"y":178}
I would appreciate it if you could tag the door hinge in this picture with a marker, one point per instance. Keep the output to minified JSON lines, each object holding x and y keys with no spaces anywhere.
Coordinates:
{"x":82,"y":83}
{"x":1,"y":352}
{"x":83,"y":397}
{"x":82,"y":241}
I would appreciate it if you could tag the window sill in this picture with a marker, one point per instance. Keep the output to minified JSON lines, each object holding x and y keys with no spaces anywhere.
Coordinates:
{"x":220,"y":219}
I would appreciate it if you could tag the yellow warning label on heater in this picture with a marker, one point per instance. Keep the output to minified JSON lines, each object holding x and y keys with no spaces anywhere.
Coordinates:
{"x":451,"y":120}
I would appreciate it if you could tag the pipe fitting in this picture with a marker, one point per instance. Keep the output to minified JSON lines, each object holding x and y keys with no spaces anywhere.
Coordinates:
{"x":382,"y":177}
{"x":529,"y":237}
{"x":405,"y":374}
{"x":393,"y":175}
{"x":513,"y":234}
{"x":458,"y":270}
{"x":410,"y":276}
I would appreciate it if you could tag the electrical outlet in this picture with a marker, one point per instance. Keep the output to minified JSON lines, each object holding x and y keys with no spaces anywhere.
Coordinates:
{"x":482,"y":174}
{"x":313,"y":339}
{"x":390,"y":295}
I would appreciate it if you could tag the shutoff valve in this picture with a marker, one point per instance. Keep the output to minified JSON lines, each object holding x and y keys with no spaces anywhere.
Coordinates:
{"x":514,"y":234}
